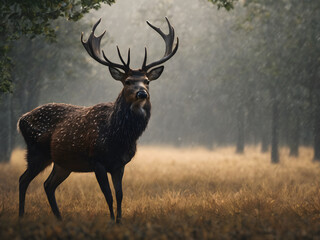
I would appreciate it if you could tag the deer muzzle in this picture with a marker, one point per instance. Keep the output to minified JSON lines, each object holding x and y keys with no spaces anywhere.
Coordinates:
{"x":142,"y":94}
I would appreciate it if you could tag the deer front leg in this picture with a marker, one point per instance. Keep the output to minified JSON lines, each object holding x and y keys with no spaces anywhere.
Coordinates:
{"x":117,"y":183}
{"x":102,"y":178}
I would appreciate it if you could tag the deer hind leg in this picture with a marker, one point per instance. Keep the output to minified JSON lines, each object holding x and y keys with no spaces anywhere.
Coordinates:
{"x":37,"y":162}
{"x":56,"y":177}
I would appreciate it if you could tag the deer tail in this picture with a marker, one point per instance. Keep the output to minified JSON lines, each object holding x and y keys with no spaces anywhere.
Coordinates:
{"x":18,"y":125}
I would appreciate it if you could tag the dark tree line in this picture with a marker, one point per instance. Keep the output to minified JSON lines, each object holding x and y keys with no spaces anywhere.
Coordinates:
{"x":24,"y":26}
{"x":279,"y":74}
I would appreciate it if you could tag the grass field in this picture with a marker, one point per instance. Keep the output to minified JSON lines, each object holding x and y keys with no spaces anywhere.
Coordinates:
{"x":175,"y":194}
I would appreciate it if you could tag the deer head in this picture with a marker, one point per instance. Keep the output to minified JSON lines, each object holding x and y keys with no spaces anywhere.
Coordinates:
{"x":135,"y":81}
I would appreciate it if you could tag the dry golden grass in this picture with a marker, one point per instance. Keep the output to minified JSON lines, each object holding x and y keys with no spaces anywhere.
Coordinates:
{"x":175,"y":194}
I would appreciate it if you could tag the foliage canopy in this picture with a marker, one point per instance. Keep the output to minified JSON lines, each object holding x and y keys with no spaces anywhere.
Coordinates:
{"x":32,"y":18}
{"x":227,"y":4}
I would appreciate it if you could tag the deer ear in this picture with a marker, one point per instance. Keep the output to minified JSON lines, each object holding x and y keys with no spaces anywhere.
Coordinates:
{"x":116,"y":74}
{"x":155,"y":73}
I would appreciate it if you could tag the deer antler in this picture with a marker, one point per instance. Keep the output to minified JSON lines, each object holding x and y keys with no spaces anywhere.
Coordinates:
{"x":168,"y":39}
{"x":92,"y":45}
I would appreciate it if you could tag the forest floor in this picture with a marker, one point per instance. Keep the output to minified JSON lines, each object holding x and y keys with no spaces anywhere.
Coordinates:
{"x":170,"y":193}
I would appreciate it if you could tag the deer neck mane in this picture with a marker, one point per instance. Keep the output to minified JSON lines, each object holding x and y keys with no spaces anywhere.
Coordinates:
{"x":128,"y":123}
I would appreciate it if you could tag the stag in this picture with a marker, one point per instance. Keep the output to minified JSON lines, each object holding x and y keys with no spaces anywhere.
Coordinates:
{"x":101,"y":138}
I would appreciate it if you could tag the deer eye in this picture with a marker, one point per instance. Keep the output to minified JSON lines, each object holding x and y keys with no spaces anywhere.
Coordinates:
{"x":128,"y":82}
{"x":146,"y":82}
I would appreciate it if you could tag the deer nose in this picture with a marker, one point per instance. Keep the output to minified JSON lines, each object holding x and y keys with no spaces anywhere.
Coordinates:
{"x":142,"y":94}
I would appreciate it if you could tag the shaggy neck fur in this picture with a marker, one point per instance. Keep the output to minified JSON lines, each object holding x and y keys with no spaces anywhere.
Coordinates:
{"x":127,"y":124}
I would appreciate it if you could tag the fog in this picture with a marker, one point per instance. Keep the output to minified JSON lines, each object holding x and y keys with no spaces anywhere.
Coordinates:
{"x":245,"y":76}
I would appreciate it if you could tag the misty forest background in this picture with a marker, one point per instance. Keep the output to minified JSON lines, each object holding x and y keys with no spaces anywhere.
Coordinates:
{"x":246,"y":72}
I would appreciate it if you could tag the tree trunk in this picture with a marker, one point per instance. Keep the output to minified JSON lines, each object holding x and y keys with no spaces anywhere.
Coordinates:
{"x":264,"y":144}
{"x":240,"y":128}
{"x":275,"y":132}
{"x":264,"y":137}
{"x":6,"y":138}
{"x":295,"y":136}
{"x":317,"y":130}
